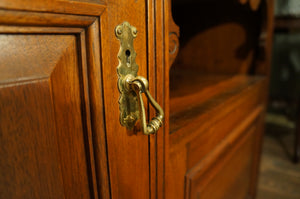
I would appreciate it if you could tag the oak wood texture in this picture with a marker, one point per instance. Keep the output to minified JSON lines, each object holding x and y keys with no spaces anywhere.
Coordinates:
{"x":218,"y":85}
{"x":190,"y":100}
{"x":194,"y":139}
{"x":85,"y":7}
{"x":59,"y":119}
{"x":231,"y":170}
{"x":27,"y":56}
{"x":111,"y":162}
{"x":157,"y":72}
{"x":42,"y":128}
{"x":21,"y":64}
{"x":128,"y":151}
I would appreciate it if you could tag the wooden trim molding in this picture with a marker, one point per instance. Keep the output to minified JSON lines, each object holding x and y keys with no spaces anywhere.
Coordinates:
{"x":57,"y":6}
{"x":173,"y":37}
{"x":86,"y":28}
{"x":254,"y":4}
{"x":200,"y":169}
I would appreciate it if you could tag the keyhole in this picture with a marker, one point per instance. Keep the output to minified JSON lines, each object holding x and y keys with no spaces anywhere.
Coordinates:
{"x":127,"y":53}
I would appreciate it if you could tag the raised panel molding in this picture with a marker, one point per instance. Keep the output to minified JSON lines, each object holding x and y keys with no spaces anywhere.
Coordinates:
{"x":19,"y":62}
{"x":43,"y":71}
{"x":89,"y":7}
{"x":22,"y":137}
{"x":79,"y":34}
{"x":203,"y":173}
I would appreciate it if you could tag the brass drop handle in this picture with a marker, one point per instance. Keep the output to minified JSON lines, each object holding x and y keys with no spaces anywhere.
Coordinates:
{"x":131,"y":86}
{"x":140,"y":85}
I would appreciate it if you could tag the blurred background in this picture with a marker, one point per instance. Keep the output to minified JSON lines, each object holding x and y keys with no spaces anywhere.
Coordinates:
{"x":280,"y":168}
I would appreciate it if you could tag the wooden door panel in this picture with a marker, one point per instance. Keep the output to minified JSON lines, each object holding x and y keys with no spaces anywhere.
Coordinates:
{"x":197,"y":169}
{"x":67,"y":96}
{"x":64,"y":51}
{"x":230,"y":176}
{"x":128,"y":150}
{"x":28,"y":57}
{"x":42,"y":126}
{"x":31,"y":168}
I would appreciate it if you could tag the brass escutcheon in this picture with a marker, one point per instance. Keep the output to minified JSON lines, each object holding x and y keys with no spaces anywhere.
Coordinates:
{"x":132,"y":86}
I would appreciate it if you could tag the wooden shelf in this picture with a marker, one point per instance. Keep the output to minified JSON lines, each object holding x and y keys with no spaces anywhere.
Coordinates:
{"x":194,"y":98}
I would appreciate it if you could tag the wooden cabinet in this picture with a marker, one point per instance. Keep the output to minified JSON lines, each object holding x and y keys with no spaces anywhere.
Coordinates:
{"x":49,"y":64}
{"x":218,"y":90}
{"x":60,"y":133}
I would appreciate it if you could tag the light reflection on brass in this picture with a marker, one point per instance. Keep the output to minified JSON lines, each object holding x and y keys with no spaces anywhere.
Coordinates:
{"x":132,"y":86}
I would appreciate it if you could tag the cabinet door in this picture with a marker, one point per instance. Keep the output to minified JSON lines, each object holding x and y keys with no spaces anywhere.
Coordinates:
{"x":43,"y":127}
{"x":60,"y":135}
{"x":136,"y":161}
{"x":46,"y":144}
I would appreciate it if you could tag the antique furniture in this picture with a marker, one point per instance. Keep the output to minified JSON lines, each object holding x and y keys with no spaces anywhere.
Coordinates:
{"x":73,"y":74}
{"x":218,"y":90}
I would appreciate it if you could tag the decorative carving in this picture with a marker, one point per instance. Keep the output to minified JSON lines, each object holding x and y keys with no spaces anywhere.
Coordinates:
{"x":173,"y":36}
{"x":129,"y":113}
{"x":132,"y":86}
{"x":243,"y":1}
{"x":254,"y":4}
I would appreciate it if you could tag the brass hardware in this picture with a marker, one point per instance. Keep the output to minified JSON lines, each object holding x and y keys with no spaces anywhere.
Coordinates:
{"x":132,"y":86}
{"x":140,"y":85}
{"x":127,"y":102}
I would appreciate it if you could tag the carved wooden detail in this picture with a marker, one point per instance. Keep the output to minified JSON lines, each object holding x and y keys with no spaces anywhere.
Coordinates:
{"x":173,"y":36}
{"x":254,"y":4}
{"x":262,"y":64}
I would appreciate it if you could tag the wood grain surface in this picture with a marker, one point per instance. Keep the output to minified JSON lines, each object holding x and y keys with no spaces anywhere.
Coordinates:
{"x":43,"y":139}
{"x":50,"y":151}
{"x":60,"y":135}
{"x":218,"y":91}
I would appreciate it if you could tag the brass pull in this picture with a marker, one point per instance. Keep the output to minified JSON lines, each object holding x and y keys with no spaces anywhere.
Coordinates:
{"x":140,"y":85}
{"x":132,"y":86}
